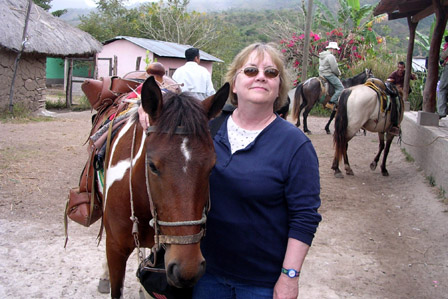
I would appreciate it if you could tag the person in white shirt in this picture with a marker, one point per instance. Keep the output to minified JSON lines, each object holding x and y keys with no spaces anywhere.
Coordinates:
{"x":195,"y":78}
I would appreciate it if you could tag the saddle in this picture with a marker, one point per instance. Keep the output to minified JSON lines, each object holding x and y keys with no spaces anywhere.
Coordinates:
{"x":111,"y":98}
{"x":378,"y":86}
{"x":326,"y":89}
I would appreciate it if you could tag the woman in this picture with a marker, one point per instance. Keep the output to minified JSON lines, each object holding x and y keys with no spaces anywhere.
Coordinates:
{"x":264,"y":188}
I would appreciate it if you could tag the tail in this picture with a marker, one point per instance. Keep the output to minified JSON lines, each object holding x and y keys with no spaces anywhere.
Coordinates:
{"x":340,"y":125}
{"x":298,"y":96}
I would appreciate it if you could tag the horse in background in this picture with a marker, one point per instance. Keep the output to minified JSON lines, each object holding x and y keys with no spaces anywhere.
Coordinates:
{"x":362,"y":107}
{"x":308,"y":93}
{"x":160,"y":175}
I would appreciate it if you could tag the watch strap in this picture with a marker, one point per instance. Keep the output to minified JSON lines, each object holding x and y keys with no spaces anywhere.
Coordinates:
{"x":290,"y":272}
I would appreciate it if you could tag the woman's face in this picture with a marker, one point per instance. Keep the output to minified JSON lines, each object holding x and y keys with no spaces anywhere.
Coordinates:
{"x":259,"y":88}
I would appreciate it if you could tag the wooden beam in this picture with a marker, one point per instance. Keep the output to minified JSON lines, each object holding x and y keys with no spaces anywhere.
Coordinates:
{"x":423,"y":14}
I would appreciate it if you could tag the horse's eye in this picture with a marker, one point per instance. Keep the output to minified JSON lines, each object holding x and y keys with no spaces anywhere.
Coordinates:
{"x":153,"y":168}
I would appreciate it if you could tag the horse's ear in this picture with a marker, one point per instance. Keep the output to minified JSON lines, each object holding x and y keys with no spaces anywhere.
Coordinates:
{"x":213,"y":104}
{"x":151,"y":98}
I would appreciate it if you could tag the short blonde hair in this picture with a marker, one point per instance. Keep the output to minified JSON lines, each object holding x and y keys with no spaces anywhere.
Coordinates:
{"x":278,"y":60}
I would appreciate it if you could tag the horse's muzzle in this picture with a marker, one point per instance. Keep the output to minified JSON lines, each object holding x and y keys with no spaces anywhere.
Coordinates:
{"x":180,"y":277}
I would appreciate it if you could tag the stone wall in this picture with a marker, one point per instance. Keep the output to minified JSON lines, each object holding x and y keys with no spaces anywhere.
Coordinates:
{"x":29,"y":86}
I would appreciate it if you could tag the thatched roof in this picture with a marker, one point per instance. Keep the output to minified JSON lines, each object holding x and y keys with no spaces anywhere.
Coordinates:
{"x":46,"y":34}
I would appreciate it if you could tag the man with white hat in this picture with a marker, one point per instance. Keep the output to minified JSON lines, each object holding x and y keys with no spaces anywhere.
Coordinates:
{"x":328,"y":68}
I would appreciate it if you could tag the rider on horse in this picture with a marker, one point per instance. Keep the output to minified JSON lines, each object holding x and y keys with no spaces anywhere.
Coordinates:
{"x":328,"y":68}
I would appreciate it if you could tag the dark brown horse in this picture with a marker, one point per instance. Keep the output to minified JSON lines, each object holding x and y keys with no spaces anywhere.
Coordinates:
{"x":160,"y":175}
{"x":308,"y":93}
{"x":360,"y":107}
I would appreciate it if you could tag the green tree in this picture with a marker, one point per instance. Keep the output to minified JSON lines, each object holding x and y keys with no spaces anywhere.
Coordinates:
{"x":172,"y":22}
{"x":111,"y":19}
{"x":45,"y":4}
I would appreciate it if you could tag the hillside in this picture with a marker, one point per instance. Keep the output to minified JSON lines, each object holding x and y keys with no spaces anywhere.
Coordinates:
{"x":398,"y":29}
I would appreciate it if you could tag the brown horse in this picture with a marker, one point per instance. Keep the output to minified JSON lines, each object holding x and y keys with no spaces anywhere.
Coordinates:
{"x":160,"y":175}
{"x":360,"y":107}
{"x":308,"y":93}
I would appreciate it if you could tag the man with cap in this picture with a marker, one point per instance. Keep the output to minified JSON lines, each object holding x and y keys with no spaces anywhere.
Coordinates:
{"x":328,"y":68}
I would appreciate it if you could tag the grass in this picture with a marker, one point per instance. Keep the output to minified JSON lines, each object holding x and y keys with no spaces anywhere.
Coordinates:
{"x":408,"y":157}
{"x":20,"y":114}
{"x":79,"y":104}
{"x":431,"y":180}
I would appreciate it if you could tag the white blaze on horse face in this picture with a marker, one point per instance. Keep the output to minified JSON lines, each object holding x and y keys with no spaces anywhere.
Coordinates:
{"x":116,"y":172}
{"x":186,"y":152}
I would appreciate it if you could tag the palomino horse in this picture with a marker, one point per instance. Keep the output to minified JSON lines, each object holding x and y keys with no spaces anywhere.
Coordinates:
{"x":360,"y":107}
{"x":308,"y":93}
{"x":160,"y":175}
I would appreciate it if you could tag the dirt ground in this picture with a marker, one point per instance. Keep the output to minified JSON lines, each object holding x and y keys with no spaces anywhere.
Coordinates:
{"x":381,"y":237}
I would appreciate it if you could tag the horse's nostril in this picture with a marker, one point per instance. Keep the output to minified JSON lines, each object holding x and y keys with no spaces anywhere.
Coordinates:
{"x":171,"y":269}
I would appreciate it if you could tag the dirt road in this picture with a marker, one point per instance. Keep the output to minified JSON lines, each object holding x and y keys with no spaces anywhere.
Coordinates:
{"x":381,"y":237}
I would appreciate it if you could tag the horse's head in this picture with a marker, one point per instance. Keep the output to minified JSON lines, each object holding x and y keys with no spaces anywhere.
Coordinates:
{"x":179,"y":158}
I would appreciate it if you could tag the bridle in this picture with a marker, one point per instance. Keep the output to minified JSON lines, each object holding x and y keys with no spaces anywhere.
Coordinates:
{"x":155,"y":223}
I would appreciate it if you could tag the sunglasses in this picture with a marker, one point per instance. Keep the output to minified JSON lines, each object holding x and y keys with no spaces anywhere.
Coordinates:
{"x":252,"y":71}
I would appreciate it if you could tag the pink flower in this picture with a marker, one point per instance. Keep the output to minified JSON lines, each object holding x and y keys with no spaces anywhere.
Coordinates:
{"x":283,"y":50}
{"x":302,"y":36}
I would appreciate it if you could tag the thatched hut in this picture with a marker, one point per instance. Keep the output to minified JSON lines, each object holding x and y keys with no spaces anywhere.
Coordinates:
{"x":46,"y":36}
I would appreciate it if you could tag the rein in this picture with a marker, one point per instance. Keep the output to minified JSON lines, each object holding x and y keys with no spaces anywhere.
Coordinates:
{"x":154,"y":222}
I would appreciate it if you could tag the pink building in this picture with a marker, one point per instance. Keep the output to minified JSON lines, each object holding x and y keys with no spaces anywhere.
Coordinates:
{"x":134,"y":53}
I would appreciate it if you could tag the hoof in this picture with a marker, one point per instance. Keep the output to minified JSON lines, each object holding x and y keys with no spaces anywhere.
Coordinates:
{"x":385,"y":173}
{"x":349,"y":172}
{"x":104,"y":286}
{"x":308,"y":132}
{"x":373,"y":165}
{"x":338,"y":175}
{"x":328,"y":131}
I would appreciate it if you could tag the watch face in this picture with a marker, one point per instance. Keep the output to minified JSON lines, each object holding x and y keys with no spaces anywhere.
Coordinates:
{"x":291,"y":273}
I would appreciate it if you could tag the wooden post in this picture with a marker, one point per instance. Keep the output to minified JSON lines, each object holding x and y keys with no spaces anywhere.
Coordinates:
{"x":306,"y":46}
{"x":429,"y":93}
{"x":115,"y":67}
{"x":407,"y":75}
{"x":68,"y":90}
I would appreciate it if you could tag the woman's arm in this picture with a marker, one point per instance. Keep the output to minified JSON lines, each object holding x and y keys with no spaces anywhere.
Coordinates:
{"x":286,"y":287}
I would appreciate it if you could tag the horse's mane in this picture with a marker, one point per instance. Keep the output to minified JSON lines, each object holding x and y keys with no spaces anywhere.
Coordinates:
{"x":182,"y":110}
{"x":355,"y":80}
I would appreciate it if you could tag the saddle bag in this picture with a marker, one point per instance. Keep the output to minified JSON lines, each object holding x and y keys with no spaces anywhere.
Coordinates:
{"x":83,"y":207}
{"x":153,"y":279}
{"x":83,"y":204}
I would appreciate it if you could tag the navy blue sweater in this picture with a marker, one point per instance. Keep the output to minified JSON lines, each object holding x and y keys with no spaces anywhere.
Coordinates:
{"x":260,"y":196}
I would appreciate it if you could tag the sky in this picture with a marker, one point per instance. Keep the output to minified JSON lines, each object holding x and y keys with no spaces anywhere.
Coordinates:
{"x":62,"y":4}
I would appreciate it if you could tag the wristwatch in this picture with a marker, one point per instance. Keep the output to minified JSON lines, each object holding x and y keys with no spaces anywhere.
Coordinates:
{"x":291,"y":272}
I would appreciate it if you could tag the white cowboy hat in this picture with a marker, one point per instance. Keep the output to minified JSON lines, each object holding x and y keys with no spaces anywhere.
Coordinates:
{"x":333,"y":45}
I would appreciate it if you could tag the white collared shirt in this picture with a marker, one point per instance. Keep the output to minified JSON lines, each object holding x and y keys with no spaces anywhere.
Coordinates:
{"x":196,"y":79}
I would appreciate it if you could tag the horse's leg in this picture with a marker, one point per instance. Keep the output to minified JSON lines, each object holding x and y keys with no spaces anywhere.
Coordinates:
{"x":305,"y":119}
{"x":384,"y":171}
{"x":374,"y":163}
{"x":348,"y":169}
{"x":335,"y":166}
{"x":116,"y":259}
{"x":298,"y":115}
{"x":327,"y":127}
{"x":104,"y":283}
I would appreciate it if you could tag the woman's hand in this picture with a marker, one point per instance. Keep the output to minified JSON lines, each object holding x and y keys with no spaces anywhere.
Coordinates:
{"x":286,"y":288}
{"x":143,"y":118}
